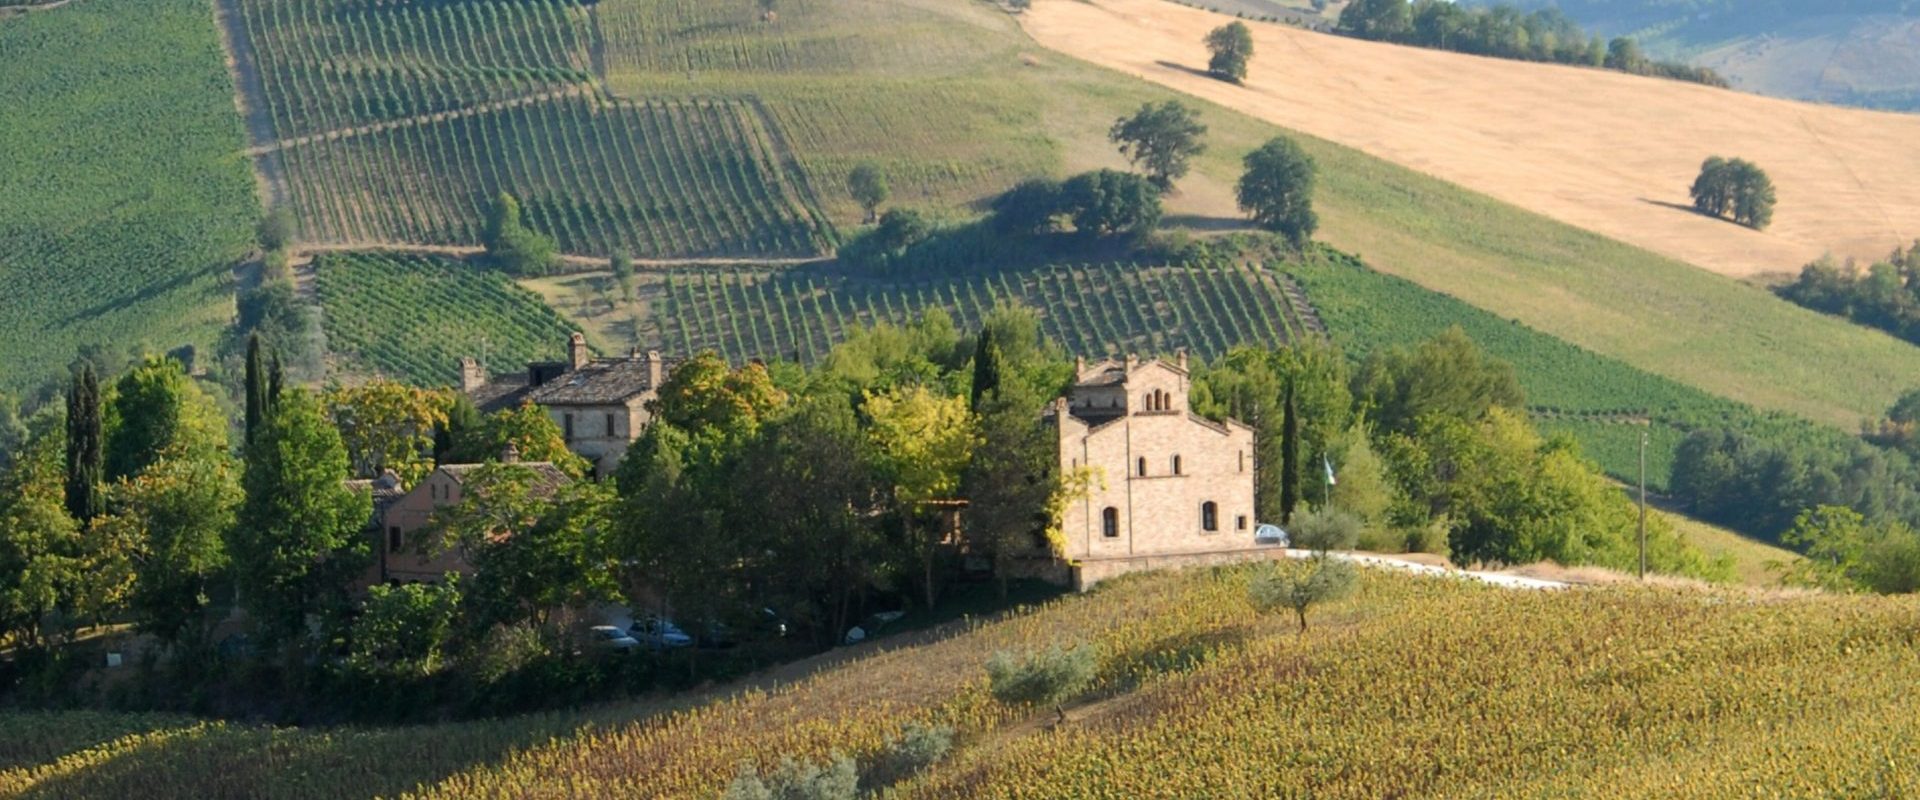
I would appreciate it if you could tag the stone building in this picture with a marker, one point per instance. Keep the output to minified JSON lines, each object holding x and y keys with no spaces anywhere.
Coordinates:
{"x":399,"y":559}
{"x":1169,"y":482}
{"x":599,"y":404}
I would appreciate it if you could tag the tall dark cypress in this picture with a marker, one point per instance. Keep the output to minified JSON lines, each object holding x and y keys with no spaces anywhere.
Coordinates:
{"x":986,"y":366}
{"x":1289,"y":457}
{"x":276,"y":380}
{"x":256,"y":387}
{"x":85,"y":499}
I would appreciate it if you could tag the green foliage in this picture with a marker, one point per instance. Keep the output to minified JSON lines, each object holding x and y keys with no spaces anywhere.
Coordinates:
{"x":85,"y":448}
{"x":1361,"y":485}
{"x":1250,"y":385}
{"x":405,"y":630}
{"x":1844,"y":551}
{"x":388,"y":426}
{"x":1277,"y":190}
{"x":1298,"y":586}
{"x":41,"y":557}
{"x":1734,"y":187}
{"x":1031,"y":207}
{"x":532,"y":434}
{"x":1231,"y":47}
{"x":413,"y":318}
{"x":867,"y":185}
{"x":514,"y":247}
{"x":1504,"y":31}
{"x":918,"y":747}
{"x":155,"y":411}
{"x":1111,"y":203}
{"x":1448,"y":375}
{"x":277,"y":229}
{"x":1162,"y":138}
{"x":621,"y":265}
{"x":1326,"y":529}
{"x":1053,"y":677}
{"x":297,"y":542}
{"x":703,"y":394}
{"x":125,"y":202}
{"x":176,"y":514}
{"x":1884,"y":295}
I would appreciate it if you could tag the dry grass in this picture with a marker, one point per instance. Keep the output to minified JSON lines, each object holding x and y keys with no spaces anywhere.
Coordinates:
{"x":1604,"y":151}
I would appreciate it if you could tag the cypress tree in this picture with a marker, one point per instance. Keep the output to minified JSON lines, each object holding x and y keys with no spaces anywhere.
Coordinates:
{"x":462,"y":420}
{"x":1289,"y":457}
{"x":84,"y":449}
{"x":986,"y":366}
{"x":256,"y":387}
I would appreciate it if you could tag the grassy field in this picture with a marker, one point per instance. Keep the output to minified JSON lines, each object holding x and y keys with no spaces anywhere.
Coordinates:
{"x":1752,"y":560}
{"x":1413,"y":687}
{"x":127,"y":200}
{"x":413,"y":318}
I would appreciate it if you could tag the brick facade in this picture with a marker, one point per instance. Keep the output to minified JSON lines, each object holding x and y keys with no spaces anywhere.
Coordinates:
{"x":1167,"y":481}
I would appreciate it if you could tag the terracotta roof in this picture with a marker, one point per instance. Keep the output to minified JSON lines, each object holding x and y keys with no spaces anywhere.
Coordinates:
{"x":499,"y":393}
{"x":1112,"y":372}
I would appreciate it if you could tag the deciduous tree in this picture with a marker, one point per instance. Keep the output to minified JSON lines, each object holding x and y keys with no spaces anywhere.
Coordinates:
{"x":1276,"y":190}
{"x":1160,"y":138}
{"x":868,"y":187}
{"x":1231,"y":46}
{"x":919,"y":442}
{"x":386,"y":425}
{"x":511,"y":245}
{"x":156,"y":410}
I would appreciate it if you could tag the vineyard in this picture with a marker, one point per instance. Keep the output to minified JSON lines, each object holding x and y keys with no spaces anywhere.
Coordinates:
{"x":414,"y":318}
{"x":1414,"y":687}
{"x":1091,"y":310}
{"x":666,"y":179}
{"x":126,"y":205}
{"x":399,"y":123}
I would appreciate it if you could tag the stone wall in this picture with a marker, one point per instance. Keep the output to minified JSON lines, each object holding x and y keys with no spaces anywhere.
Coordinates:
{"x":1091,"y":572}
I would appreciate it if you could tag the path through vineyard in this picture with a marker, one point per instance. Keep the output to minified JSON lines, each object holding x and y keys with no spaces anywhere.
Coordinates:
{"x":249,"y":98}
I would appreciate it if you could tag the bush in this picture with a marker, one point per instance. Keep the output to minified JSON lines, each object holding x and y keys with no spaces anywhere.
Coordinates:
{"x":918,"y":747}
{"x":1048,"y":677}
{"x":1031,"y":207}
{"x":1111,"y":203}
{"x":1327,"y":529}
{"x":794,"y":780}
{"x":402,"y":630}
{"x":1300,"y":586}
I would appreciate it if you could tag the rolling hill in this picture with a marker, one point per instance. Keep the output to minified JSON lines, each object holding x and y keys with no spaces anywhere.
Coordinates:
{"x":1607,"y":152}
{"x":1415,"y":686}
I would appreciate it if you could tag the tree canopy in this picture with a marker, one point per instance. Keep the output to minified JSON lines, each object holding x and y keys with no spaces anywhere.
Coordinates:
{"x":1277,"y":190}
{"x":1231,"y":47}
{"x":1736,"y":188}
{"x":1160,"y":138}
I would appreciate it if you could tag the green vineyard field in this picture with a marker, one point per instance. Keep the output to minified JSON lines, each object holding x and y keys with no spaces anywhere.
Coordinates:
{"x":126,"y":201}
{"x":413,"y":318}
{"x":1091,"y":310}
{"x":662,"y":180}
{"x":399,"y":123}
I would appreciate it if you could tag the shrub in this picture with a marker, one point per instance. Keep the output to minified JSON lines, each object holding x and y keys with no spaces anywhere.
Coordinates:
{"x":1049,"y":677}
{"x":1325,"y":529}
{"x":795,"y":780}
{"x":1300,"y":586}
{"x":918,"y":747}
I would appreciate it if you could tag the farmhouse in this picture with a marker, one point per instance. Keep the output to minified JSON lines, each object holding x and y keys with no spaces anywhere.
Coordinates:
{"x":402,"y":558}
{"x":1169,"y":487}
{"x":598,"y":403}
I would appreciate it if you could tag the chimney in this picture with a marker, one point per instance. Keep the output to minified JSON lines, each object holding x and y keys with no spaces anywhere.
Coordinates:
{"x":656,"y":366}
{"x":510,"y":454}
{"x":1079,"y":365}
{"x":1181,"y":354}
{"x":472,"y":376}
{"x":577,"y":350}
{"x":1133,"y":361}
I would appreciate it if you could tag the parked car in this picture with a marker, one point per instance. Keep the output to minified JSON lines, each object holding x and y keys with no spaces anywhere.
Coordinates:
{"x":872,"y":626}
{"x":1271,"y":534}
{"x":608,"y":637}
{"x":660,"y":634}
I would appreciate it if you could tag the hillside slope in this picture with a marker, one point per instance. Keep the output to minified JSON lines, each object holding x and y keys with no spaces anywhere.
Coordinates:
{"x":126,"y":200}
{"x":1608,"y":152}
{"x":1414,"y":687}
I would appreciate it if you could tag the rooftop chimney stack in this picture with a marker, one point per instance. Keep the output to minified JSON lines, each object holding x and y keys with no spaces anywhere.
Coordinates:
{"x":1181,"y":354}
{"x":656,"y":367}
{"x":577,"y":350}
{"x":510,"y":454}
{"x":1079,"y":365}
{"x":472,"y":376}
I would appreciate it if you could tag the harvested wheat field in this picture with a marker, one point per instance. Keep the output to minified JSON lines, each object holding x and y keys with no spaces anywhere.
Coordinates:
{"x":1608,"y":152}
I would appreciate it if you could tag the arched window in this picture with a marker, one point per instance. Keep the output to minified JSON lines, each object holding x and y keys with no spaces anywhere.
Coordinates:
{"x":1110,"y":523}
{"x":1143,"y":466}
{"x":1209,"y":516}
{"x":1176,"y":465}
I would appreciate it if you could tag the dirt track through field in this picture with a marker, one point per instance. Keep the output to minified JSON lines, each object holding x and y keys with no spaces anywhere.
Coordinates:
{"x":1600,"y":150}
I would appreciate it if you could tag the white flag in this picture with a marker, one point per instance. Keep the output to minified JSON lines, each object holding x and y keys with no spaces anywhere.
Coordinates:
{"x":1329,"y":464}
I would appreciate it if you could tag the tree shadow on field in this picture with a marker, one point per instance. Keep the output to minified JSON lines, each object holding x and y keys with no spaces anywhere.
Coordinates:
{"x":1689,"y":209}
{"x":1202,"y":222}
{"x":1184,"y":68}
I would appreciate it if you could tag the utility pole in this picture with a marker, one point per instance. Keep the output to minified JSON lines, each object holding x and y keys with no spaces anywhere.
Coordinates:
{"x":1645,"y":430}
